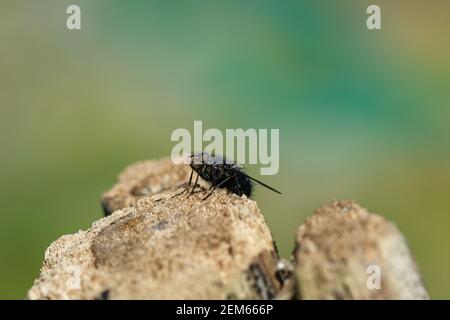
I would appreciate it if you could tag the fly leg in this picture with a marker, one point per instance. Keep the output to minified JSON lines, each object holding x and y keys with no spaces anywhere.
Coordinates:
{"x":215,"y":187}
{"x":193,"y":188}
{"x":238,"y":186}
{"x":187,"y":188}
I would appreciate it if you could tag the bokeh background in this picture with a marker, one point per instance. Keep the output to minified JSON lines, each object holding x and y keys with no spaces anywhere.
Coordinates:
{"x":363,"y":115}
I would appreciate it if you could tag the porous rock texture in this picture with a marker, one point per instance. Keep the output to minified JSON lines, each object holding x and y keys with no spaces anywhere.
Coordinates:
{"x":344,"y":252}
{"x":160,"y":245}
{"x":157,"y":243}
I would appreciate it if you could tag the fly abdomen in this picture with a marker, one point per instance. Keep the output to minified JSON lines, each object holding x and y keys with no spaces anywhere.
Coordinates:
{"x":241,"y":185}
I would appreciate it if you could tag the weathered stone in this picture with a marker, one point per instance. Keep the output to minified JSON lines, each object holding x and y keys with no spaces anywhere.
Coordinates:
{"x":164,"y":246}
{"x":340,"y":249}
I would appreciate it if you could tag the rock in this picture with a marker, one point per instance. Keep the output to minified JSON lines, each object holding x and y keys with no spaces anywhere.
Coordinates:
{"x":340,"y":250}
{"x":143,"y":179}
{"x":157,"y":245}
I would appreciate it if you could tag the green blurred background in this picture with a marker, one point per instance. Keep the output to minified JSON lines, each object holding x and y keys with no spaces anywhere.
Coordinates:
{"x":362,"y":114}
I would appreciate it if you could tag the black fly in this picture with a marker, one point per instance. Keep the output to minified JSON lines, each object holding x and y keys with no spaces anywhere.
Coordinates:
{"x":221,"y":173}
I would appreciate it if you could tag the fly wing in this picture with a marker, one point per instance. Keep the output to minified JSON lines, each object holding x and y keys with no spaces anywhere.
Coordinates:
{"x":262,"y":183}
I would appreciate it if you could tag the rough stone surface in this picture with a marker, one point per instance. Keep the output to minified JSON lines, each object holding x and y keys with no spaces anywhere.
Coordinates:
{"x":160,"y":245}
{"x":156,"y":243}
{"x":144,"y":179}
{"x":339,"y":250}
